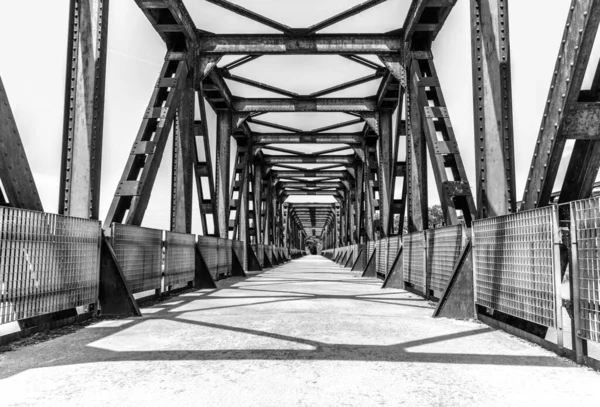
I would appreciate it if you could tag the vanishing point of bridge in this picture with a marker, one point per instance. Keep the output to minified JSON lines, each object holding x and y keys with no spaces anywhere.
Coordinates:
{"x":530,"y":266}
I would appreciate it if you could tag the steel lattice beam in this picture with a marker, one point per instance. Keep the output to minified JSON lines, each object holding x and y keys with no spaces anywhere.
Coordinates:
{"x":339,"y":44}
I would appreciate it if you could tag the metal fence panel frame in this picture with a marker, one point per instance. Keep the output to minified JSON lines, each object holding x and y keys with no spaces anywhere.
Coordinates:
{"x":585,"y":238}
{"x":180,"y":258}
{"x":139,"y":252}
{"x":414,"y":265}
{"x":516,"y":263}
{"x":444,"y":246}
{"x":48,"y":263}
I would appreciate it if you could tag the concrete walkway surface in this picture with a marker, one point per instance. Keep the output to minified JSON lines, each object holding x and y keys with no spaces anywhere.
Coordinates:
{"x":308,"y":333}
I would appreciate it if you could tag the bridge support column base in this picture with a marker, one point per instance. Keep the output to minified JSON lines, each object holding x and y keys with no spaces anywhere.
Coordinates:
{"x":371,"y":269}
{"x":115,"y":297}
{"x":395,"y":278}
{"x":458,"y":300}
{"x":202,"y":278}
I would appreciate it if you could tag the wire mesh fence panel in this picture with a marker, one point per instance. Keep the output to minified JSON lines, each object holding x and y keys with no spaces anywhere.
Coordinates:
{"x":225,"y":257}
{"x":585,"y":216}
{"x":355,"y":254}
{"x":370,"y":250}
{"x":413,"y":266}
{"x":209,"y":249}
{"x":514,"y":262}
{"x":443,"y":250}
{"x":394,"y":245}
{"x":259,"y":252}
{"x":139,"y":252}
{"x":48,"y":263}
{"x":269,"y":253}
{"x":240,"y":252}
{"x":180,"y":258}
{"x":382,"y":257}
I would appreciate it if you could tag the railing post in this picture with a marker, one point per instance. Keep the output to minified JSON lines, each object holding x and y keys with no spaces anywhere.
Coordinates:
{"x":556,"y":262}
{"x":579,"y":345}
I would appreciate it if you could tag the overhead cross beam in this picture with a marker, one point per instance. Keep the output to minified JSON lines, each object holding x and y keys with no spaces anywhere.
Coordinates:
{"x":252,"y":15}
{"x":353,"y":139}
{"x":275,"y":105}
{"x":308,"y":159}
{"x":335,"y":44}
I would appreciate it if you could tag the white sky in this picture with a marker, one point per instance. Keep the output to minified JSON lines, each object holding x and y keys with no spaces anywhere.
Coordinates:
{"x":32,"y":67}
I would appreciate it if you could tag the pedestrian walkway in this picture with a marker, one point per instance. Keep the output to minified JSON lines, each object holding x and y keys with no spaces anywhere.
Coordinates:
{"x":308,"y":333}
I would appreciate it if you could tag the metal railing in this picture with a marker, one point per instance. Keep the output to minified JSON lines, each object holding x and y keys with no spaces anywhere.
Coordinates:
{"x":517,"y":265}
{"x":444,"y":246}
{"x":414,"y":262}
{"x":139,"y":252}
{"x":180,"y":258}
{"x":48,"y":263}
{"x":585,"y":243}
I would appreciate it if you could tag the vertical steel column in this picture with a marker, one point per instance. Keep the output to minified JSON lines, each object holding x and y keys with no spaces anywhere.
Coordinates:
{"x":351,"y":216}
{"x":203,"y":169}
{"x":369,"y":198}
{"x":385,"y":169}
{"x":224,"y":130}
{"x":183,"y":166}
{"x":257,"y":194}
{"x":360,"y":202}
{"x":338,"y":225}
{"x":267,"y":228}
{"x":286,"y":233}
{"x":492,"y":103}
{"x":243,"y":208}
{"x":416,"y":159}
{"x":84,"y":109}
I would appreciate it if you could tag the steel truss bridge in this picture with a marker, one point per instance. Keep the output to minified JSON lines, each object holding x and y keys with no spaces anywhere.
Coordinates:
{"x":497,"y":258}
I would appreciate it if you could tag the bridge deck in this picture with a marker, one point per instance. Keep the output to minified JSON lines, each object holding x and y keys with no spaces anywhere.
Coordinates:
{"x":306,"y":333}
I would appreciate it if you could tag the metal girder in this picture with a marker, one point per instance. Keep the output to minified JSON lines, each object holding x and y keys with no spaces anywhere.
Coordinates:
{"x":257,"y":191}
{"x":371,"y":186}
{"x":252,"y":15}
{"x":385,"y":166}
{"x":492,"y":103}
{"x":183,"y":165}
{"x":259,"y":85}
{"x":171,"y":21}
{"x":203,"y":170}
{"x":425,"y":19}
{"x":15,"y":174}
{"x":260,"y":44}
{"x":133,"y":192}
{"x":417,"y":199}
{"x":573,"y":57}
{"x":308,"y":159}
{"x":308,"y":193}
{"x":451,"y":179}
{"x":238,"y":187}
{"x":365,"y":79}
{"x":359,"y":8}
{"x":224,"y":131}
{"x":353,"y":139}
{"x":312,"y":185}
{"x":387,"y":95}
{"x":275,"y":105}
{"x":80,"y":176}
{"x":583,"y":124}
{"x":359,"y":202}
{"x":310,"y":174}
{"x":241,"y":61}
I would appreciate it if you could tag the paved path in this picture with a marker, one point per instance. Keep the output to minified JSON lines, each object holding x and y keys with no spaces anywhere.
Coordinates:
{"x":304,"y":334}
